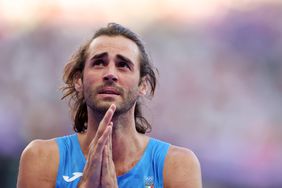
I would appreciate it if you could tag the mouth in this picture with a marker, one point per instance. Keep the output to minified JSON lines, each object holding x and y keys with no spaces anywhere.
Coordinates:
{"x":109,"y":91}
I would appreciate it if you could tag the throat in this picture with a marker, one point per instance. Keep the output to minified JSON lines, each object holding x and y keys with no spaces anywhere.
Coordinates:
{"x":127,"y":155}
{"x":123,"y":168}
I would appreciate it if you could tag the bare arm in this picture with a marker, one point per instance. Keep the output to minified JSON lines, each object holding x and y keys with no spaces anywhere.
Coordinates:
{"x":182,"y":169}
{"x":38,"y":165}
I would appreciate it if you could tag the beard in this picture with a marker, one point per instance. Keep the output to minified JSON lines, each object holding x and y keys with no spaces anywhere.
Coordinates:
{"x":126,"y":100}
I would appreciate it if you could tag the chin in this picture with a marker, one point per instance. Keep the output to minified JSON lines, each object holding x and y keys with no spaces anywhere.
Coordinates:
{"x":103,"y":106}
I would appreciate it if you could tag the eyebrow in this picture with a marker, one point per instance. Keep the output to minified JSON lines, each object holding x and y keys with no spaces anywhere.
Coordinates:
{"x":99,"y":56}
{"x":125,"y":59}
{"x":105,"y":54}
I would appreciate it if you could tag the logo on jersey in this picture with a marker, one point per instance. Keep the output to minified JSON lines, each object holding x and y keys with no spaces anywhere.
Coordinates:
{"x":74,"y":177}
{"x":149,"y":181}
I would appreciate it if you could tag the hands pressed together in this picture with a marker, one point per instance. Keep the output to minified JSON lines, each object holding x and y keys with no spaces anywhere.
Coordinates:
{"x":99,"y":170}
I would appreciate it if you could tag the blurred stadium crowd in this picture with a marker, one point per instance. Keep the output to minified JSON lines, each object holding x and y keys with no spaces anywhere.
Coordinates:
{"x":219,"y":92}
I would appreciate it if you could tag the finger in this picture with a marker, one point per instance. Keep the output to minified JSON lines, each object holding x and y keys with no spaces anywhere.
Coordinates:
{"x":105,"y":161}
{"x":93,"y":165}
{"x":94,"y":161}
{"x":95,"y":152}
{"x":110,"y":143}
{"x":105,"y":168}
{"x":103,"y":140}
{"x":111,"y":166}
{"x":109,"y":114}
{"x":106,"y":120}
{"x":102,"y":125}
{"x":108,"y":176}
{"x":109,"y":157}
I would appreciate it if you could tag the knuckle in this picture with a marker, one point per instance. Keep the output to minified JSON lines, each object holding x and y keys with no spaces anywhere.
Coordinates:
{"x":100,"y":141}
{"x":106,"y":183}
{"x":97,"y":158}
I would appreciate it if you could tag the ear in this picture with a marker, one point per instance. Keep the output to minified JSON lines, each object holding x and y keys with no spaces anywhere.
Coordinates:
{"x":78,"y":83}
{"x":143,"y":86}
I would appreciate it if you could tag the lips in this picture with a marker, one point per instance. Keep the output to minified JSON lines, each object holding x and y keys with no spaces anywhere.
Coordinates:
{"x":110,"y":91}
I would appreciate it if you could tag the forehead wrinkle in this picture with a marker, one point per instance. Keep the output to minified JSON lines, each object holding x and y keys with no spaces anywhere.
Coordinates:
{"x":113,"y":44}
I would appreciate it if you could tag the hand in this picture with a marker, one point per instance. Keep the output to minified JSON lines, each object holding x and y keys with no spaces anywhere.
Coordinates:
{"x":92,"y":170}
{"x":109,"y":177}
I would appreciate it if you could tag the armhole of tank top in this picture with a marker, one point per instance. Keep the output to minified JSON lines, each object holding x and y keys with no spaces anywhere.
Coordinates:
{"x":162,"y":150}
{"x":76,"y":144}
{"x":61,"y":149}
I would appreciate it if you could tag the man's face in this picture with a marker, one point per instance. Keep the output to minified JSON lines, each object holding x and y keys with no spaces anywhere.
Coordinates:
{"x":112,"y":74}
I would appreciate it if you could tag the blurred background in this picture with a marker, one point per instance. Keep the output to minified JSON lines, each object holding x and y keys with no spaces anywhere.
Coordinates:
{"x":220,"y":78}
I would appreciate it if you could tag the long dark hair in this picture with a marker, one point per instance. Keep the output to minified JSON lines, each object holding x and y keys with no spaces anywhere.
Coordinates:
{"x":74,"y":69}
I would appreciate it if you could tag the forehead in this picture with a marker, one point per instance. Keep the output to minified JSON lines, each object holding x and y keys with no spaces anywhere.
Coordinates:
{"x":114,"y":45}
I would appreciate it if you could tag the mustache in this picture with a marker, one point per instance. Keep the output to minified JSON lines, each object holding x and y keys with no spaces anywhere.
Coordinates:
{"x":113,"y":86}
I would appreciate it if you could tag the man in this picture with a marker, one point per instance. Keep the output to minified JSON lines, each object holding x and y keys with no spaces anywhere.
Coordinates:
{"x":104,"y":81}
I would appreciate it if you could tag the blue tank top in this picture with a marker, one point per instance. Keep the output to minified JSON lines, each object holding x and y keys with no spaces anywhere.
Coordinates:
{"x":147,"y":173}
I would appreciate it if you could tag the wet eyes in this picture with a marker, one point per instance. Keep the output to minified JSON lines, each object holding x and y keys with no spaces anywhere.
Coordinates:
{"x":101,"y":63}
{"x":123,"y":64}
{"x":98,"y":63}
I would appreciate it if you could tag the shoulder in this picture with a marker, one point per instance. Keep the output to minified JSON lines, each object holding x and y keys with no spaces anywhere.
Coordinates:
{"x":182,"y":168}
{"x":40,"y":148}
{"x":38,"y":164}
{"x":40,"y":151}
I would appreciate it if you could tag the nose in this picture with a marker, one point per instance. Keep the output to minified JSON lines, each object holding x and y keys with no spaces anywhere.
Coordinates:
{"x":110,"y":75}
{"x":110,"y":78}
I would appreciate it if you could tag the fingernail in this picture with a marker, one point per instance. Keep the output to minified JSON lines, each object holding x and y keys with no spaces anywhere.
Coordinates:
{"x":113,"y":106}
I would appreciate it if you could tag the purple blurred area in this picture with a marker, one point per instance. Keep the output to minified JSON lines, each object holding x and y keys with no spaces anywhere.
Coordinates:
{"x":219,"y":92}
